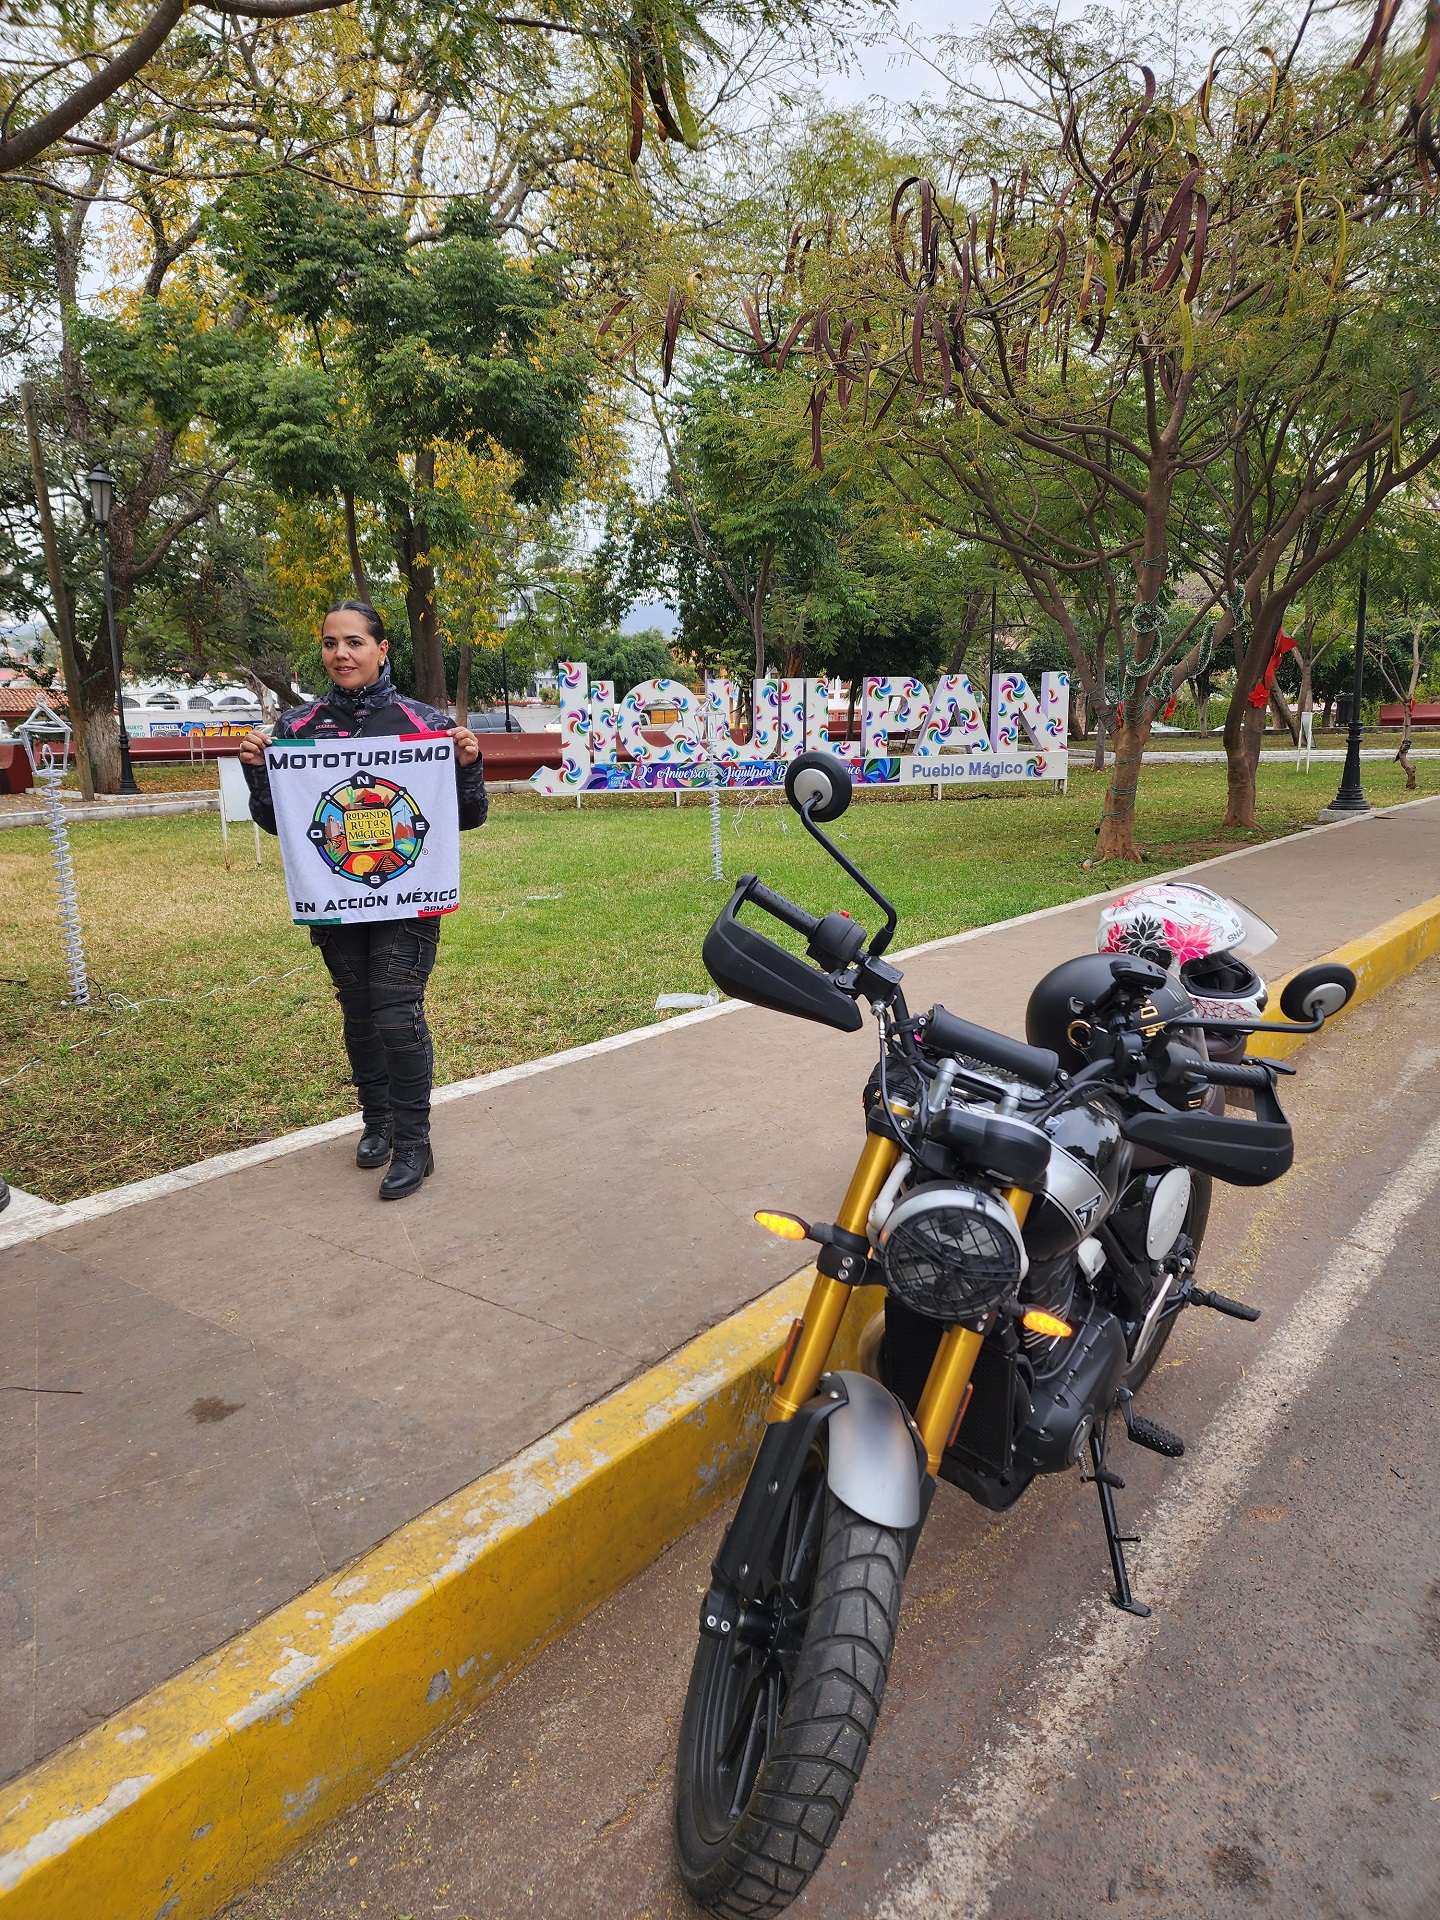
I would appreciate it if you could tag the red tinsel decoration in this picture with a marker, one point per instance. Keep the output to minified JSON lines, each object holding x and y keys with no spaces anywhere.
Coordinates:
{"x":1260,"y":694}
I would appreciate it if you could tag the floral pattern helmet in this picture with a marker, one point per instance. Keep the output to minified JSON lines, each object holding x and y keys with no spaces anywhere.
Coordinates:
{"x":1197,"y":933}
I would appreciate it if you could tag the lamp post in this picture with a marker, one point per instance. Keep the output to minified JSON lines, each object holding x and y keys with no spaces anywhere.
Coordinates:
{"x":102,"y":504}
{"x":1350,"y":802}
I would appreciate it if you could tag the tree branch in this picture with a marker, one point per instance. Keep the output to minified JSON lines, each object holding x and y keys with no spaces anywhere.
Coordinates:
{"x":19,"y":149}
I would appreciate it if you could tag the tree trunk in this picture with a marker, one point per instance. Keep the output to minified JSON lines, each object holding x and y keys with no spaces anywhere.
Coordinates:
{"x":102,"y":734}
{"x":1244,"y":723}
{"x":59,"y":592}
{"x":1280,"y":708}
{"x":757,"y":609}
{"x":462,"y":686}
{"x":969,"y":619}
{"x":1116,"y":840}
{"x":98,"y":695}
{"x":413,"y":550}
{"x":1403,"y":756}
{"x":352,"y":544}
{"x":1244,"y":730}
{"x":1306,"y":701}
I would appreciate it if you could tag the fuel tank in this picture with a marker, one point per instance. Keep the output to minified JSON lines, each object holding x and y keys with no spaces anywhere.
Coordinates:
{"x":1089,"y":1163}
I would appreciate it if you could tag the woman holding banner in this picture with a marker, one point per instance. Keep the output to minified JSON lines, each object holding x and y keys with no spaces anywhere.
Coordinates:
{"x":379,"y":967}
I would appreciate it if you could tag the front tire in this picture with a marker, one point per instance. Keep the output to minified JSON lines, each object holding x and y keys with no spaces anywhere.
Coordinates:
{"x":779,"y":1715}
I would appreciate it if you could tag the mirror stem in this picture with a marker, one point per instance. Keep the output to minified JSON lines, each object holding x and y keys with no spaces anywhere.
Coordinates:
{"x":883,"y":937}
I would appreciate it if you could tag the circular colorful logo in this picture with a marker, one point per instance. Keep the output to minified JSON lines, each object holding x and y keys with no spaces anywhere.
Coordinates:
{"x":369,"y":830}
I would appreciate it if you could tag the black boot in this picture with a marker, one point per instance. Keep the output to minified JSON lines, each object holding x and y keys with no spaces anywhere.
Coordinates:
{"x":411,"y":1164}
{"x":374,"y":1147}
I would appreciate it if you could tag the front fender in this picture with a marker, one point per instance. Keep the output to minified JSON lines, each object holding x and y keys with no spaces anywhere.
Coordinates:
{"x":873,"y":1464}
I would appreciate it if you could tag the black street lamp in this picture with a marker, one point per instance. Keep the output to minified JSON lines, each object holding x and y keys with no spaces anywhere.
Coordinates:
{"x":102,"y":504}
{"x":1350,"y":802}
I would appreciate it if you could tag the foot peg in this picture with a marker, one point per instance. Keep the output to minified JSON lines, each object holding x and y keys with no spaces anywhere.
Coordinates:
{"x":1149,"y":1433}
{"x":1236,"y":1309}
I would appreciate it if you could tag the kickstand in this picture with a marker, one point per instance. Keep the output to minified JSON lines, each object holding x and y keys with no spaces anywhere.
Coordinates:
{"x":1122,"y":1597}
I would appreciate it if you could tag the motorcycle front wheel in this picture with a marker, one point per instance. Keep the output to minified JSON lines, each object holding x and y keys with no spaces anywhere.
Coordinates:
{"x":780,"y":1712}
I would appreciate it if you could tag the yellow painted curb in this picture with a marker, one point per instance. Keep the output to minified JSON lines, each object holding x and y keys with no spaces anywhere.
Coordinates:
{"x":199,"y":1788}
{"x":1378,"y":958}
{"x":195,"y":1792}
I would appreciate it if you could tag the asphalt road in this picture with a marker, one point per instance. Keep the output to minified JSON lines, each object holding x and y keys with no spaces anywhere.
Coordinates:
{"x":1267,"y":1742}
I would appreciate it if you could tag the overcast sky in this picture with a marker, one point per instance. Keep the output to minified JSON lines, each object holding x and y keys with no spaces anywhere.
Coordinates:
{"x":889,"y":70}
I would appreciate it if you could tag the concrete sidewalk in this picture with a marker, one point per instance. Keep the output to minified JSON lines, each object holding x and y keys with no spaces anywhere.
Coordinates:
{"x":277,"y":1371}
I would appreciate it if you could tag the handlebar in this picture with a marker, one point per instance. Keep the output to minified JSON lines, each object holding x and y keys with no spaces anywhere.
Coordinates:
{"x":780,"y":908}
{"x":947,"y":1033}
{"x":1227,"y":1074}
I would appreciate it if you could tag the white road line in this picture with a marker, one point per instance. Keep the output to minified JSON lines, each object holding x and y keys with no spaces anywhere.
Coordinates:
{"x":996,"y":1804}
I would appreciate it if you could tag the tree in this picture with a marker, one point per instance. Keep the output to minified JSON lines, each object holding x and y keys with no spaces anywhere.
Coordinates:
{"x":1058,"y":355}
{"x":46,"y":103}
{"x":1153,"y":291}
{"x":395,"y":353}
{"x":773,"y":565}
{"x":131,"y":395}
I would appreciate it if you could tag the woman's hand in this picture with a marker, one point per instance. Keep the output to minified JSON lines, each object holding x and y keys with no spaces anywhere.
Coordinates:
{"x":467,"y":746}
{"x":252,"y":749}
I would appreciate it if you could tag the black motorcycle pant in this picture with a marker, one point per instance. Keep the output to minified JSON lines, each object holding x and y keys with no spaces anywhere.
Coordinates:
{"x":380,"y":971}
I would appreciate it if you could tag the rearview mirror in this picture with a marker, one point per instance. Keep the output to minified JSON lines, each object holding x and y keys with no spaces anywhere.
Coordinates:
{"x":1316,"y":992}
{"x":821,"y":782}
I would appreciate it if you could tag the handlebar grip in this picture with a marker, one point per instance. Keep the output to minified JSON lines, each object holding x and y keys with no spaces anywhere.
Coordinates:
{"x":1223,"y":1074}
{"x":948,"y":1033}
{"x":780,"y":908}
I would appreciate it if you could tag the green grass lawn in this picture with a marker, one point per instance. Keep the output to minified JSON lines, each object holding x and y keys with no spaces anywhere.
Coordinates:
{"x":572,"y":922}
{"x":1373,"y":740}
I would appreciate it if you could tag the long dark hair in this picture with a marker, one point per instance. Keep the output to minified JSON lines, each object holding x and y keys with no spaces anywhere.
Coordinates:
{"x":368,"y":615}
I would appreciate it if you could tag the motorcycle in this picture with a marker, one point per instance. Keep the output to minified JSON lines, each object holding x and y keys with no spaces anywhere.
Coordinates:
{"x":1034,"y":1211}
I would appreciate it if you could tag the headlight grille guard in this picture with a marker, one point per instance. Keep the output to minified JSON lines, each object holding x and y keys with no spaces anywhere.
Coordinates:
{"x":953,"y":1252}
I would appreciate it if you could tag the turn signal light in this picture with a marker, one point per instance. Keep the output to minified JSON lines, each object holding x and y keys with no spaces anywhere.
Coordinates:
{"x":1050,"y":1324}
{"x":789,"y":1226}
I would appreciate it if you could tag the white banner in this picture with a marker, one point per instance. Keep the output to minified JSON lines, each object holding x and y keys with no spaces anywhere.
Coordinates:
{"x":369,"y":829}
{"x":959,"y":769}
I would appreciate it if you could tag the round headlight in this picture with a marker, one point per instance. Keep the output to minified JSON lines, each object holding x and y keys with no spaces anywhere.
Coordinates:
{"x":952,"y":1253}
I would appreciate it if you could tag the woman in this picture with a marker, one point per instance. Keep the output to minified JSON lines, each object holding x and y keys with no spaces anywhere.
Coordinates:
{"x":379,"y":969}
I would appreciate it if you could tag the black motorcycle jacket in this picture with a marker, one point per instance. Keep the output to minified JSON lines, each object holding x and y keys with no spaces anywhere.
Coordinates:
{"x":368,"y":713}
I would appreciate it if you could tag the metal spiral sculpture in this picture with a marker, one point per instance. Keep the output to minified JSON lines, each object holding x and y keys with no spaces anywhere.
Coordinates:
{"x":48,"y":777}
{"x":712,"y":780}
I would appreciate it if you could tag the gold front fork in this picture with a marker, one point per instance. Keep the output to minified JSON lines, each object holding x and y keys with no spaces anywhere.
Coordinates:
{"x":943,"y":1401}
{"x":825,"y":1308}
